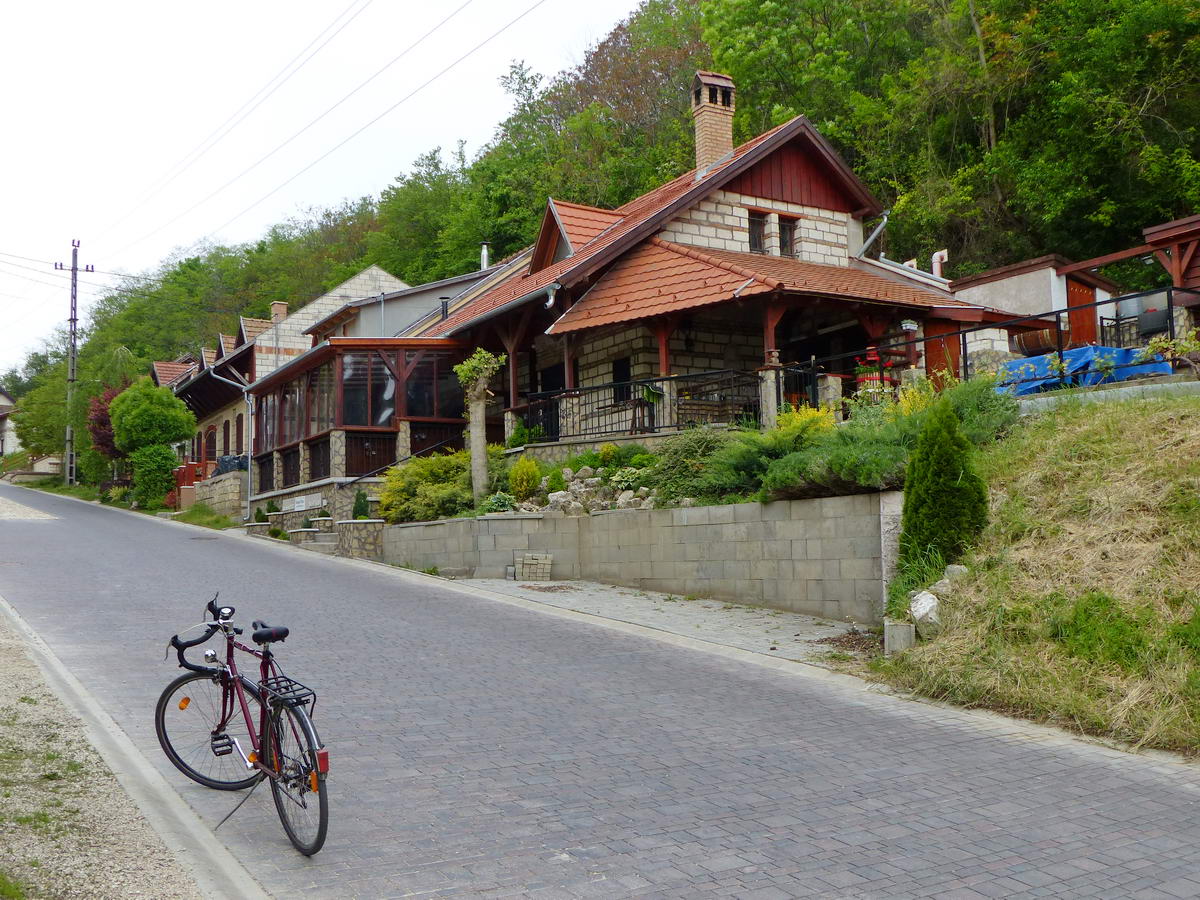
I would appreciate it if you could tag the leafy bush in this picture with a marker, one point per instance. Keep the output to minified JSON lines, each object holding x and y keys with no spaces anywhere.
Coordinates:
{"x":626,"y":479}
{"x":588,"y":458}
{"x":1096,"y":628}
{"x":497,"y":503}
{"x":153,"y":474}
{"x":259,"y":515}
{"x":362,"y":506}
{"x":806,"y":417}
{"x":642,"y":460}
{"x":522,"y":435}
{"x":871,"y":450}
{"x":147,"y":416}
{"x":117,"y":494}
{"x":683,"y":459}
{"x":556,"y":482}
{"x":272,"y":506}
{"x":609,"y":455}
{"x":945,"y":501}
{"x":523,"y":478}
{"x":277,"y":532}
{"x":436,"y":486}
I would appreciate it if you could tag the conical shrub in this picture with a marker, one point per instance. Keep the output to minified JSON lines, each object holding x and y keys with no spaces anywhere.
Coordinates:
{"x":945,"y":500}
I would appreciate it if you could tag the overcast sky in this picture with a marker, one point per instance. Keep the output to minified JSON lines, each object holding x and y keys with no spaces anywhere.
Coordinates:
{"x":104,"y":103}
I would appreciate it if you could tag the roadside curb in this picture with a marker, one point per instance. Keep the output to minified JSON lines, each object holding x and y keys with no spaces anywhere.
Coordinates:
{"x":216,"y":871}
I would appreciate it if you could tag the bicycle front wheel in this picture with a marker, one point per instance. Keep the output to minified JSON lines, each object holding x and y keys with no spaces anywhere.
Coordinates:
{"x":290,"y":750}
{"x":196,"y":720}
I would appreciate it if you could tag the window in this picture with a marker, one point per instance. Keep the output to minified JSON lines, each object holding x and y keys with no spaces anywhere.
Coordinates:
{"x":758,"y":232}
{"x":210,"y":444}
{"x":320,"y":399}
{"x":368,"y":390}
{"x":354,"y":389}
{"x":239,"y":429}
{"x":622,"y":372}
{"x":265,"y":423}
{"x":225,"y":438}
{"x":787,"y":237}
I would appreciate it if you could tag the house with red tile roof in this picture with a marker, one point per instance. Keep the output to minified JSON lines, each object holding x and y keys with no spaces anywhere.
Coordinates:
{"x":754,"y":258}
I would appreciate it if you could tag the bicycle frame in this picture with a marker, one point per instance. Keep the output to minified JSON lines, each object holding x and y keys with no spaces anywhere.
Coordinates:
{"x":232,"y":678}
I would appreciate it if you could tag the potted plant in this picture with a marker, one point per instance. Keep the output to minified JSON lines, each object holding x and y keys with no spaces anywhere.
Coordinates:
{"x":873,"y":373}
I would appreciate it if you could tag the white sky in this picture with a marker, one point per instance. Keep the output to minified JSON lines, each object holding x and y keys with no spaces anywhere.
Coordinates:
{"x":101,"y":101}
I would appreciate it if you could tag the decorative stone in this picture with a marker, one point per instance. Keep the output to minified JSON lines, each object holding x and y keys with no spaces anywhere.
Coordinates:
{"x":924,"y":611}
{"x":941,"y":588}
{"x":544,"y":484}
{"x":648,"y":503}
{"x":558,"y":499}
{"x":585,"y":472}
{"x":568,"y":473}
{"x":625,"y":497}
{"x":952,"y":572}
{"x":687,"y":501}
{"x":592,"y":484}
{"x":575,"y":508}
{"x":643,"y":492}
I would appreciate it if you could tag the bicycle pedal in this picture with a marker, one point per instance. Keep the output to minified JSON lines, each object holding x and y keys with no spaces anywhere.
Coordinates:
{"x":222,"y":745}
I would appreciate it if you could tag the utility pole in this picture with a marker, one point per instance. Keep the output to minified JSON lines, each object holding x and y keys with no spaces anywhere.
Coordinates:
{"x":69,"y":455}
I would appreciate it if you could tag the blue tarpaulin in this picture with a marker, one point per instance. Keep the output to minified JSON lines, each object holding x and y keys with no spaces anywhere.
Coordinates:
{"x":1084,"y":366}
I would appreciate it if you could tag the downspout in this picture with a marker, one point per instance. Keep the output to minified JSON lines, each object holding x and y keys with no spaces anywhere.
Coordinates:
{"x":862,"y":251}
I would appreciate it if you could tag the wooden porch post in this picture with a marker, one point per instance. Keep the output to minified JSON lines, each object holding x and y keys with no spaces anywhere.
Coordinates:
{"x":772,"y":314}
{"x":511,"y":338}
{"x":337,"y":378}
{"x":568,"y":364}
{"x":663,"y":329}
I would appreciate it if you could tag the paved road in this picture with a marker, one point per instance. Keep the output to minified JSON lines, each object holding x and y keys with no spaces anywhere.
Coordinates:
{"x":482,"y":749}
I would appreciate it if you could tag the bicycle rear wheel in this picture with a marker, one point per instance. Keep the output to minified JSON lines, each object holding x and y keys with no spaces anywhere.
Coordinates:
{"x":188,"y":721}
{"x":290,"y":749}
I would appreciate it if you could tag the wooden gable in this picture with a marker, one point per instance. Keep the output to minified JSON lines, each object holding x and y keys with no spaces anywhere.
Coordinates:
{"x":796,"y":173}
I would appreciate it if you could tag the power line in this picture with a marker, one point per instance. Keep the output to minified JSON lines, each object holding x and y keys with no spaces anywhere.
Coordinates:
{"x":279,"y":147}
{"x":50,"y":263}
{"x":406,"y":97}
{"x":242,"y":113}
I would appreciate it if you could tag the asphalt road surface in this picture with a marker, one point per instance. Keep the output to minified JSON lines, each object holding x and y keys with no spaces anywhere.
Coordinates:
{"x":480,"y":749}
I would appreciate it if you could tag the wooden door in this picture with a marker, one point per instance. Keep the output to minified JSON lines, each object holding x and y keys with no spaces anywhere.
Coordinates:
{"x":942,"y":353}
{"x":1082,"y":321}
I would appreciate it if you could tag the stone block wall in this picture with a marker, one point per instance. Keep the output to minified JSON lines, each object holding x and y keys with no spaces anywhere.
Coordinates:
{"x":224,"y":494}
{"x":828,"y":557}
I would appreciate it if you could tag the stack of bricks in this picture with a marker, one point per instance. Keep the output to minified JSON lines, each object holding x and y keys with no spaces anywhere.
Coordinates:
{"x":534,"y":566}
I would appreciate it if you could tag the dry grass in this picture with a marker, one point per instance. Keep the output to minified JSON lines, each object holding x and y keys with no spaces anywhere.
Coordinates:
{"x":1100,"y":498}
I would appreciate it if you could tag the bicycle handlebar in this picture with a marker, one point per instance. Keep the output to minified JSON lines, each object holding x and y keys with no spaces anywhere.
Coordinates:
{"x":180,"y":646}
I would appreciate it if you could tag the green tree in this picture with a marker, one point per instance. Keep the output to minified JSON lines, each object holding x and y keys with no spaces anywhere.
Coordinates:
{"x":144,"y":415}
{"x":945,"y":500}
{"x":153,"y":474}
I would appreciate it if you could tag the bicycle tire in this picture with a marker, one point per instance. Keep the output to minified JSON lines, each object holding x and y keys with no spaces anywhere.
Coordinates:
{"x":185,"y":731}
{"x":290,"y":748}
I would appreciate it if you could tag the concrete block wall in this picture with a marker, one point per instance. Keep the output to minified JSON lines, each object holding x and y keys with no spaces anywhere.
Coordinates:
{"x":224,"y":494}
{"x":829,"y":557}
{"x":721,"y":222}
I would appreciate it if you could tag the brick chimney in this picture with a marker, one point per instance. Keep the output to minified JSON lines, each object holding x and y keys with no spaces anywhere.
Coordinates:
{"x":278,"y":310}
{"x":712,"y":111}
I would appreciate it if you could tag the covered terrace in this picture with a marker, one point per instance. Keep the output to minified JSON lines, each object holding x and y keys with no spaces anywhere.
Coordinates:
{"x":350,"y":407}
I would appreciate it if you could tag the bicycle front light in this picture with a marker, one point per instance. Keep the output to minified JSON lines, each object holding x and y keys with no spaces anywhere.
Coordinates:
{"x":210,"y":656}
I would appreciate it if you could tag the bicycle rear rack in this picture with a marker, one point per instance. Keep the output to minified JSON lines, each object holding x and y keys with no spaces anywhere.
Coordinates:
{"x":283,"y":690}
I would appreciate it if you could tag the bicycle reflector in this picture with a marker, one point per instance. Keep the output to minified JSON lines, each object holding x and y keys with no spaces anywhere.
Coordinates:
{"x":323,"y":761}
{"x":183,"y":704}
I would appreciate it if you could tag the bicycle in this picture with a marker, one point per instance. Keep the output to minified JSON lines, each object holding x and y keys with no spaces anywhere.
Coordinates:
{"x":204,"y":715}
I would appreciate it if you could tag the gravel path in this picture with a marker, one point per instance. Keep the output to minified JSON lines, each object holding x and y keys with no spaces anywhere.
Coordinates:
{"x":67,"y":829}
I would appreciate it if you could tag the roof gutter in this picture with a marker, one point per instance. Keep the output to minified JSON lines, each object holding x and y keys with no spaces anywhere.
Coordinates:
{"x":548,"y":292}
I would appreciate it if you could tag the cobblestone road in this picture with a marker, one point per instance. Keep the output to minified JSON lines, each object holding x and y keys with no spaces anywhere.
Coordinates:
{"x":485,"y":750}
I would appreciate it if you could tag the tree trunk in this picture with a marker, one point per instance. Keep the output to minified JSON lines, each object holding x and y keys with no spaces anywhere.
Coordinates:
{"x":477,"y":443}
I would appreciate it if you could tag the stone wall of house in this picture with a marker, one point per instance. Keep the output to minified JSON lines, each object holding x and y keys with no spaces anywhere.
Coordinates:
{"x":721,"y":221}
{"x":224,"y":494}
{"x":328,"y":495}
{"x":828,"y":557}
{"x":560,"y":451}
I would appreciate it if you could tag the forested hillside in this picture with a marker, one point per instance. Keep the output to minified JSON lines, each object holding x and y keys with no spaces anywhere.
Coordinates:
{"x":999,"y":129}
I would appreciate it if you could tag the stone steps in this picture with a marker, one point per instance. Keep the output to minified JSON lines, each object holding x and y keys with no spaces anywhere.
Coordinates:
{"x":329,"y":549}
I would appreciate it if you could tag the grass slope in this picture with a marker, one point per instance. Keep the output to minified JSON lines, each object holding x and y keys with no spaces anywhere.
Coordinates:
{"x":1083,"y":604}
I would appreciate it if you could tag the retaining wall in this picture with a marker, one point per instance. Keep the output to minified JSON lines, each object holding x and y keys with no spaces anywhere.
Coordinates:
{"x":225,"y":494}
{"x":828,"y":557}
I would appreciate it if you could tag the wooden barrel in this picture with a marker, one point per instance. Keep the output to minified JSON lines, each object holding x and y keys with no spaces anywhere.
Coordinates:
{"x":1035,"y":343}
